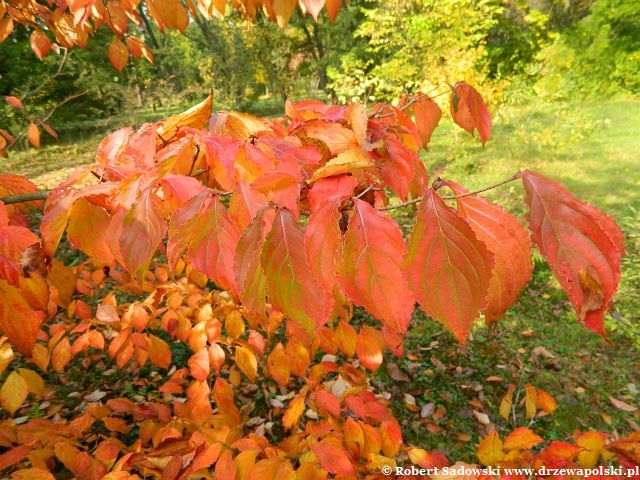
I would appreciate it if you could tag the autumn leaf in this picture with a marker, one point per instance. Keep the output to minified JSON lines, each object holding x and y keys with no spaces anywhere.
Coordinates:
{"x":197,"y":117}
{"x":508,"y":241}
{"x":469,"y":110}
{"x":40,"y":43}
{"x":447,"y":266}
{"x":490,"y":451}
{"x":333,"y":457}
{"x":18,"y":320}
{"x":33,"y":135}
{"x":13,"y":101}
{"x":118,"y":54}
{"x":427,"y":114}
{"x":346,"y":162}
{"x":371,"y":274}
{"x":289,"y":283}
{"x":14,"y":392}
{"x":579,"y":243}
{"x":521,"y":439}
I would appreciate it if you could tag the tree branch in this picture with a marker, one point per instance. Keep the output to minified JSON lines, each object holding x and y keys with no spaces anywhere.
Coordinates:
{"x":25,"y":197}
{"x":439,"y":182}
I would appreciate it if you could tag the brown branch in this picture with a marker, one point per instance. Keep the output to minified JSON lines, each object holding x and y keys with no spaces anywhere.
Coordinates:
{"x":439,"y":182}
{"x":25,"y":197}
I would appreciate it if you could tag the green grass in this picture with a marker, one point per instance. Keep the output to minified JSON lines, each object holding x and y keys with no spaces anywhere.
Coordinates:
{"x":594,"y":149}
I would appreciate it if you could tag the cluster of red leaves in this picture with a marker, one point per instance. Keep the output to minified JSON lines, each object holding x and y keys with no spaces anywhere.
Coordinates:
{"x":288,"y":217}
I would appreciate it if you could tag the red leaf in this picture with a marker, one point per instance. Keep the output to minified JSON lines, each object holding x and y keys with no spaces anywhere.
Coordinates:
{"x":448,"y":267}
{"x":469,"y":110}
{"x":325,"y":188}
{"x":397,"y":166}
{"x":323,"y":243}
{"x":290,"y":284}
{"x":580,"y":243}
{"x":507,"y":239}
{"x":86,"y":231}
{"x":13,"y":456}
{"x":371,"y":273}
{"x":427,"y":114}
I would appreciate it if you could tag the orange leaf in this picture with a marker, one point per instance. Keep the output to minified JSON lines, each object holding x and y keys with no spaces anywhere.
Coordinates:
{"x":225,"y":467}
{"x":247,"y":362}
{"x":159,"y":352}
{"x":13,"y":101}
{"x":427,"y":114}
{"x":448,"y":267}
{"x":592,"y":444}
{"x":469,"y":110}
{"x":61,"y":355}
{"x":143,"y":228}
{"x":294,"y":412}
{"x":521,"y":439}
{"x":199,"y":364}
{"x":371,"y":273}
{"x":369,"y":347}
{"x":348,"y":161}
{"x":40,"y":43}
{"x":118,"y":54}
{"x":17,"y":320}
{"x":86,"y":231}
{"x":278,"y":365}
{"x":13,"y":456}
{"x":33,"y":135}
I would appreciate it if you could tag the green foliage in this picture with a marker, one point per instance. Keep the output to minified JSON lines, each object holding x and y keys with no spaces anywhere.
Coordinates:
{"x":405,"y":43}
{"x":599,"y":56}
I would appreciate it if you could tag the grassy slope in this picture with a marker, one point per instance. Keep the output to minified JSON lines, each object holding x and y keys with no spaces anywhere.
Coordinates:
{"x":595,"y":150}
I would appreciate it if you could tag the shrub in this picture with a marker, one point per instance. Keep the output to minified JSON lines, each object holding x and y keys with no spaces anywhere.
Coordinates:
{"x":223,"y":265}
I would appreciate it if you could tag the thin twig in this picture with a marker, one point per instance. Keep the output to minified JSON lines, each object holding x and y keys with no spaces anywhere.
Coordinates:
{"x":365,"y":191}
{"x":513,"y":177}
{"x":25,"y":197}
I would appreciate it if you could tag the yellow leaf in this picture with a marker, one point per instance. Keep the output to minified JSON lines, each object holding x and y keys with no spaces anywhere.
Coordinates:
{"x":349,"y":161}
{"x":490,"y":450}
{"x":234,"y":324}
{"x":507,"y":403}
{"x":35,"y":383}
{"x":196,"y":117}
{"x":6,"y":355}
{"x":531,"y":400}
{"x":591,"y":443}
{"x":246,"y":361}
{"x":40,"y":356}
{"x":14,"y":392}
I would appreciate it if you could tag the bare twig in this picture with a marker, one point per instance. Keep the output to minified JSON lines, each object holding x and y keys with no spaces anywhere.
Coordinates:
{"x":513,"y":177}
{"x":25,"y":197}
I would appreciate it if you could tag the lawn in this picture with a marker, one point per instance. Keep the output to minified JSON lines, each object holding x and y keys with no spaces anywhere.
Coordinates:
{"x":594,"y":148}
